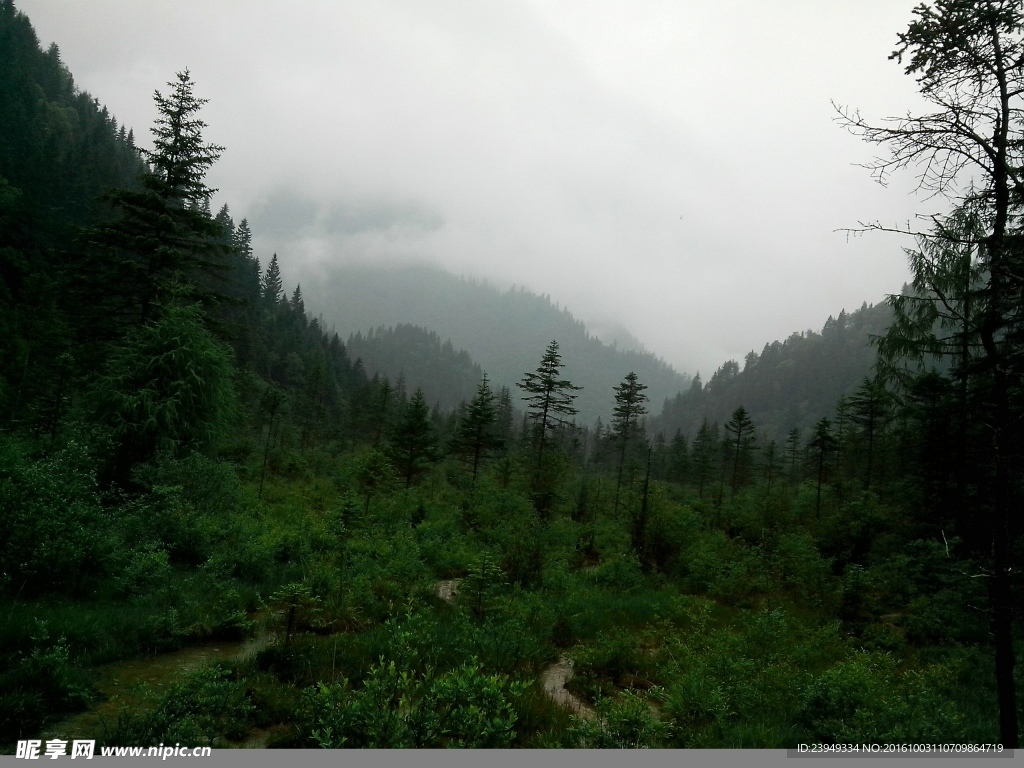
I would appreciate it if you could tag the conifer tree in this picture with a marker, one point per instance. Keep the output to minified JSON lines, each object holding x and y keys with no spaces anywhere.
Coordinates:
{"x":549,"y":401}
{"x":704,"y":451}
{"x":679,"y":458}
{"x":413,"y":441}
{"x":180,"y":158}
{"x":165,"y":240}
{"x":659,"y":458}
{"x":770,"y":464}
{"x":166,"y":387}
{"x":548,"y":398}
{"x":739,"y":443}
{"x":297,"y":305}
{"x":868,"y":409}
{"x":825,"y":445}
{"x":383,"y":407}
{"x":629,"y":407}
{"x":273,"y":287}
{"x":242,"y":240}
{"x":247,"y":266}
{"x":476,"y":435}
{"x":793,"y":452}
{"x":505,"y":416}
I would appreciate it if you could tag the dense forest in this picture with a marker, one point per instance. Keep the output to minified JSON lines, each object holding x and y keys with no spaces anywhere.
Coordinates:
{"x":218,"y":527}
{"x":790,"y":384}
{"x":414,"y":357}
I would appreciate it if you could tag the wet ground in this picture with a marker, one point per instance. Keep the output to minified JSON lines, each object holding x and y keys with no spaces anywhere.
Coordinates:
{"x":127,"y":684}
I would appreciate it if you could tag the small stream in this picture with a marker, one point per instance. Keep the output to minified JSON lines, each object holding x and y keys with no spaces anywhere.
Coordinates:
{"x":128,"y":684}
{"x":134,"y":683}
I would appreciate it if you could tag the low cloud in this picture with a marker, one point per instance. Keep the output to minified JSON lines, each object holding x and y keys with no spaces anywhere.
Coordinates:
{"x":353,"y":218}
{"x":286,"y":214}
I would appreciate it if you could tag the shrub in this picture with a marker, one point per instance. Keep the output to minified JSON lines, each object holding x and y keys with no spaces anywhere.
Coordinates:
{"x":54,"y":532}
{"x":623,"y":722}
{"x":867,"y":699}
{"x":399,"y":708}
{"x":799,"y":564}
{"x":208,"y":706}
{"x":42,"y":683}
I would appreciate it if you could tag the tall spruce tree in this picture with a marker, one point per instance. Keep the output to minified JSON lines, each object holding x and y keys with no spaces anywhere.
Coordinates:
{"x":629,"y":407}
{"x":770,"y":464}
{"x":548,"y":398}
{"x":165,"y":240}
{"x":739,"y":443}
{"x":824,"y":443}
{"x":413,"y":441}
{"x":703,"y":455}
{"x":272,"y":285}
{"x":476,"y":436}
{"x":868,"y":408}
{"x":678,"y":458}
{"x":793,"y":452}
{"x":549,"y":401}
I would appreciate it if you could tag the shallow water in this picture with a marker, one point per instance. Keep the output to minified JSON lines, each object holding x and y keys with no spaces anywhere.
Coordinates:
{"x":128,"y":684}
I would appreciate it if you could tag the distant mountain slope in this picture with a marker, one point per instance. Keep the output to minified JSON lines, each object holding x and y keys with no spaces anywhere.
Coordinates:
{"x":448,"y":377}
{"x":790,"y":384}
{"x":506,"y":332}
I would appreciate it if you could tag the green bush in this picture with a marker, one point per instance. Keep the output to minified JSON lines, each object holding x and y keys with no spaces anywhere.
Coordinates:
{"x":38,"y":685}
{"x":623,"y":722}
{"x":206,"y":708}
{"x":146,"y":567}
{"x":799,"y":564}
{"x":868,"y":699}
{"x":55,"y":534}
{"x":614,"y":656}
{"x":669,"y":530}
{"x":399,"y":708}
{"x":620,"y":572}
{"x":203,"y":483}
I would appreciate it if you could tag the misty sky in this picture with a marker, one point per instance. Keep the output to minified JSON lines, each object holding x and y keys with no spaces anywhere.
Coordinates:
{"x":670,"y":166}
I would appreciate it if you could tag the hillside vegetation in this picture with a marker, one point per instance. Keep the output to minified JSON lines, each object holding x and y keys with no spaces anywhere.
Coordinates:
{"x":790,"y":384}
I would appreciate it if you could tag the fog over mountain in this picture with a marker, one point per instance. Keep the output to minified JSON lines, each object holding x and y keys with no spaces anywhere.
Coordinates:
{"x":504,"y":331}
{"x":670,"y":167}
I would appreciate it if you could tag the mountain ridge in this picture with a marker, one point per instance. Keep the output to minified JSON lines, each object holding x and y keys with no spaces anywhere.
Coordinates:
{"x":790,"y":384}
{"x":505,"y":332}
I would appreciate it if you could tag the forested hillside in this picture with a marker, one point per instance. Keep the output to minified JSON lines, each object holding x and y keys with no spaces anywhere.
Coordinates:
{"x":418,"y":358}
{"x":58,"y":150}
{"x":501,"y":330}
{"x":217,"y":530}
{"x":790,"y":384}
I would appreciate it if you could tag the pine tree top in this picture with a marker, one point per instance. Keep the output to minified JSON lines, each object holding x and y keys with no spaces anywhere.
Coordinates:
{"x":180,"y":158}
